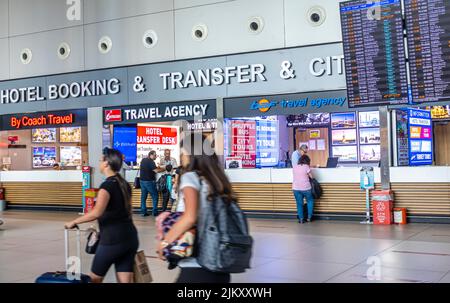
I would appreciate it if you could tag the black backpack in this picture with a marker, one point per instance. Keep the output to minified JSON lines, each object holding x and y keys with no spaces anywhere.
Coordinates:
{"x":316,"y":189}
{"x":224,"y":242}
{"x":161,"y":184}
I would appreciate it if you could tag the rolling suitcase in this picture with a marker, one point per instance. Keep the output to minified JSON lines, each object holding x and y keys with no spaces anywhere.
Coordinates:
{"x":66,"y":276}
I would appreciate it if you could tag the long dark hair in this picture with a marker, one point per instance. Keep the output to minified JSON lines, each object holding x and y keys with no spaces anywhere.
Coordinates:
{"x":115,"y":162}
{"x":204,"y":161}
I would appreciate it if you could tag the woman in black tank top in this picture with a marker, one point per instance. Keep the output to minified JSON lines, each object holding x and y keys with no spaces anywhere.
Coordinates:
{"x":118,"y":235}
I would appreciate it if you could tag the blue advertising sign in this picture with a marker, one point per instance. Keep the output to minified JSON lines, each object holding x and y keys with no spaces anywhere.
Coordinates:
{"x":420,"y":129}
{"x":267,"y":143}
{"x":125,"y":140}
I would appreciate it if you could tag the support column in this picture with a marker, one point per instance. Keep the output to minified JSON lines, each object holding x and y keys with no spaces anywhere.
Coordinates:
{"x":385,"y":148}
{"x":95,"y":143}
{"x":219,"y":137}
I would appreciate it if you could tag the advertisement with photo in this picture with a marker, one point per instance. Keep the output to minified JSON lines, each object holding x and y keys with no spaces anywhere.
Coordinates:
{"x":369,"y":119}
{"x":346,"y":153}
{"x":233,"y":162}
{"x":343,"y":120}
{"x":370,"y":153}
{"x":369,"y":136}
{"x":44,"y":157}
{"x":43,"y":135}
{"x":70,"y":134}
{"x":344,"y":137}
{"x":313,"y":120}
{"x":70,"y":155}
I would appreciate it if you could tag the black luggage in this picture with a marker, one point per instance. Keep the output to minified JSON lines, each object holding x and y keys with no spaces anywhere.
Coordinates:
{"x":65,"y":276}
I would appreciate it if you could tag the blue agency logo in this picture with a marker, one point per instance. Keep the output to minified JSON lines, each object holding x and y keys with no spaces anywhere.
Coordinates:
{"x":264,"y":105}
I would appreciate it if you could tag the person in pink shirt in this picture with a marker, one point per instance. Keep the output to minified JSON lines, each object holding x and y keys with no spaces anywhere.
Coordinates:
{"x":301,"y":186}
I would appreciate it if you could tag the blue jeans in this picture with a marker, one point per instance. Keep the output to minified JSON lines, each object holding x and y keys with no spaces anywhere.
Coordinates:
{"x":299,"y":195}
{"x":146,"y":188}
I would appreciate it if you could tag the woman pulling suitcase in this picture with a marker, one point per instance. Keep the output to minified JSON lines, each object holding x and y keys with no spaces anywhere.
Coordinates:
{"x":118,"y":235}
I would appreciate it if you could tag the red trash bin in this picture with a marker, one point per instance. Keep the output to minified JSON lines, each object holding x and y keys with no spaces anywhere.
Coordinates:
{"x":2,"y":193}
{"x":382,"y":207}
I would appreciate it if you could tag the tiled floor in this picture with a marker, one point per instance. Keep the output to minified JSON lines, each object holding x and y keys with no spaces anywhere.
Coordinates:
{"x":32,"y":243}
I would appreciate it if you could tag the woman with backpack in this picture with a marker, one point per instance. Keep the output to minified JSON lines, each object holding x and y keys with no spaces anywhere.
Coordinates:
{"x":202,"y":179}
{"x":301,"y":186}
{"x":118,"y":236}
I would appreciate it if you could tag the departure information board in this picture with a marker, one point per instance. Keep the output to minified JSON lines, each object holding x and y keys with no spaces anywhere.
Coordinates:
{"x":428,"y":24}
{"x":374,"y":50}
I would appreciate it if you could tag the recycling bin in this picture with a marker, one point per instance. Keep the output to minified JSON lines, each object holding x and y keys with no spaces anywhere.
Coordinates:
{"x":90,"y":197}
{"x":382,"y":207}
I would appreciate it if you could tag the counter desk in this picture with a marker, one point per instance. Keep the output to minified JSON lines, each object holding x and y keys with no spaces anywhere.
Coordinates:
{"x":424,"y":191}
{"x":43,"y":188}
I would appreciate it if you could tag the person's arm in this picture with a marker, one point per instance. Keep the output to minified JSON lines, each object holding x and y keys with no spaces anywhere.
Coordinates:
{"x":186,"y":221}
{"x":294,"y":158}
{"x":95,"y":213}
{"x":310,"y":173}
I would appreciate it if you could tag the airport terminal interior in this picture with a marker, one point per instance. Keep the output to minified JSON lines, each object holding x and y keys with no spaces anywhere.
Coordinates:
{"x":329,"y":122}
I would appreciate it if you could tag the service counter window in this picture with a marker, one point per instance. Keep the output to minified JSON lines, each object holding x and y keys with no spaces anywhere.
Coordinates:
{"x":39,"y":141}
{"x":135,"y":141}
{"x":352,"y":138}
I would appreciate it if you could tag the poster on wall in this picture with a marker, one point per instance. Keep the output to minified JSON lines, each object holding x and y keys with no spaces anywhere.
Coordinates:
{"x":70,"y":134}
{"x":346,"y":153}
{"x":125,"y":140}
{"x":344,"y":137}
{"x":158,"y":138}
{"x":420,"y":137}
{"x":369,"y":119}
{"x":43,"y":135}
{"x":369,"y":136}
{"x":309,"y":120}
{"x":369,"y":153}
{"x":70,"y":155}
{"x":44,"y":157}
{"x":267,"y":143}
{"x":243,"y":141}
{"x":343,"y":120}
{"x":314,"y":134}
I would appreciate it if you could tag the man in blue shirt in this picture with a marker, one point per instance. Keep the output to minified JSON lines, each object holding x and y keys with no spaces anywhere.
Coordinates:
{"x":303,"y":150}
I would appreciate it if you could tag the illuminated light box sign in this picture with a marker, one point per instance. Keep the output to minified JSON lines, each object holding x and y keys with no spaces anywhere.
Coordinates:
{"x":243,"y":142}
{"x":158,"y":138}
{"x":125,"y":140}
{"x":43,"y":120}
{"x":420,"y":137}
{"x":267,"y":143}
{"x":157,"y":112}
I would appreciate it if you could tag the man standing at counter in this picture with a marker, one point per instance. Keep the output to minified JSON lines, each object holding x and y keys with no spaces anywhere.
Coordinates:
{"x":303,"y":150}
{"x":148,"y":171}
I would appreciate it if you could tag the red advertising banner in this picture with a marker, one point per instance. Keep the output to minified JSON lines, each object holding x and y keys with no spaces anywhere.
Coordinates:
{"x":156,"y":135}
{"x":243,"y":142}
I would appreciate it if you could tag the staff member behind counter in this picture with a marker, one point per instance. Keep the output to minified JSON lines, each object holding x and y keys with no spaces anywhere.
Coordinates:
{"x":296,"y":155}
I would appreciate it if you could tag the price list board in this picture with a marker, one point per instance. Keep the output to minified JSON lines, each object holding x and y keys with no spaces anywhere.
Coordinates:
{"x":428,"y":24}
{"x":374,"y":50}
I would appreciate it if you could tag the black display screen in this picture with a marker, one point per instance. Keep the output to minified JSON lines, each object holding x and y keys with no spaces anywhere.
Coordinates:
{"x":374,"y":50}
{"x":428,"y":24}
